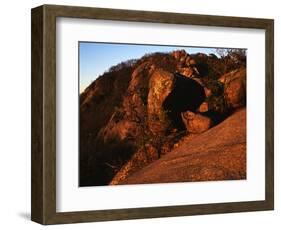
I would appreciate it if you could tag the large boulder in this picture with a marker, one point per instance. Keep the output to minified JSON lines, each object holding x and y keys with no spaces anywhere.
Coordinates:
{"x":160,"y":86}
{"x":187,"y":71}
{"x":179,"y":54}
{"x":195,"y":122}
{"x":204,"y":107}
{"x":192,"y":62}
{"x":169,"y":95}
{"x":235,"y":88}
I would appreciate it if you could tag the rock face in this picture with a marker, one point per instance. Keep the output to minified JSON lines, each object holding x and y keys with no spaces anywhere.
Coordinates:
{"x":97,"y":106}
{"x":139,"y":160}
{"x":218,"y":154}
{"x":161,"y":85}
{"x":196,"y":123}
{"x":187,"y":71}
{"x":235,"y":88}
{"x":134,"y":115}
{"x":113,"y":118}
{"x":169,"y":95}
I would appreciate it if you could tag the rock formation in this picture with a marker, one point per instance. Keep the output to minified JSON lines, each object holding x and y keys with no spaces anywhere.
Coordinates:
{"x":196,"y":123}
{"x":144,"y":111}
{"x":235,"y":88}
{"x":218,"y":154}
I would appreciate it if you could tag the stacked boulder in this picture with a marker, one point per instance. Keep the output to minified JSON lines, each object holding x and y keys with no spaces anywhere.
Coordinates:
{"x":186,"y":64}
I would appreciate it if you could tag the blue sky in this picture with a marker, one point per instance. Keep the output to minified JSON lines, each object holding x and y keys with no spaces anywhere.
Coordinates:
{"x":96,"y":58}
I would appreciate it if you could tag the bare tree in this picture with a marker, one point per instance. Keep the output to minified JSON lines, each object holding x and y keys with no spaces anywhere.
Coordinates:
{"x":140,"y":116}
{"x":224,"y":52}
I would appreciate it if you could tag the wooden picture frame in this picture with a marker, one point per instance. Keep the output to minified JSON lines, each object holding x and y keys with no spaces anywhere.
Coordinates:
{"x":43,"y":208}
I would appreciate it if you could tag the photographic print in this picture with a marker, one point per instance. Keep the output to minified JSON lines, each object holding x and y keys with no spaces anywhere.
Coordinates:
{"x":161,"y":114}
{"x":170,"y":108}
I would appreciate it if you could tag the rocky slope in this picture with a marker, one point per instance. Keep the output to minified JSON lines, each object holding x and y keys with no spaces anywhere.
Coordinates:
{"x":217,"y":154}
{"x":141,"y":111}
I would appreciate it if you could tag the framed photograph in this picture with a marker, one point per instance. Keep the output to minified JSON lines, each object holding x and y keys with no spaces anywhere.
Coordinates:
{"x":141,"y":114}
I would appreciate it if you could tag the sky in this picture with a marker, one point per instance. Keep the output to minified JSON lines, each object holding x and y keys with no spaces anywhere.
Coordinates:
{"x":96,"y":58}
